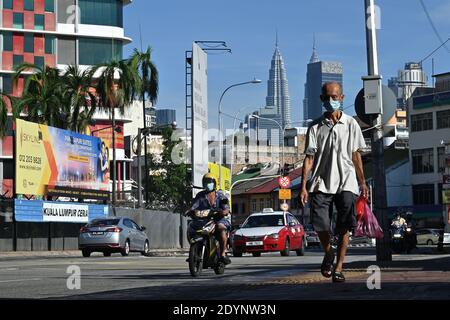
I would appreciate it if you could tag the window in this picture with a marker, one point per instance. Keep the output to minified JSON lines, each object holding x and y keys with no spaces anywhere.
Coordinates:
{"x":39,"y":22}
{"x":28,"y":44}
{"x":235,"y":208}
{"x":443,"y":119}
{"x":18,"y":20}
{"x":7,"y":41}
{"x":422,"y":122}
{"x":94,"y":51}
{"x":66,"y":50}
{"x":128,"y":223}
{"x":49,"y":44}
{"x":111,"y":12}
{"x":440,"y":193}
{"x":422,"y":160}
{"x":243,"y":208}
{"x":441,"y":159}
{"x":7,"y":84}
{"x":261,"y":204}
{"x":7,"y":4}
{"x":28,"y":5}
{"x":423,"y":194}
{"x":39,"y":61}
{"x":49,"y":5}
{"x":268,"y":203}
{"x":254,"y":205}
{"x":17,"y":60}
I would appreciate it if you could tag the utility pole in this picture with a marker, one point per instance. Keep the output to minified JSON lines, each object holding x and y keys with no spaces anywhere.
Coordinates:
{"x":374,"y":105}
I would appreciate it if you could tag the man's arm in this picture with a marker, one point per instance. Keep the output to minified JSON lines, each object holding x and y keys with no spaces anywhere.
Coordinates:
{"x":307,"y":166}
{"x":357,"y":162}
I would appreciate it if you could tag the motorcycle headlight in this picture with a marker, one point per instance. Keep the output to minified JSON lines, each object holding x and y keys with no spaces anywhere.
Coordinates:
{"x":273,"y":236}
{"x":408,"y":229}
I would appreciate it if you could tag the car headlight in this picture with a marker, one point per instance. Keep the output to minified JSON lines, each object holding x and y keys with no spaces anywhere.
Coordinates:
{"x":273,"y":236}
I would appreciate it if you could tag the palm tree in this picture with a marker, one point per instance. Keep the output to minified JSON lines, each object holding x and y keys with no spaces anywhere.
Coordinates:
{"x":6,"y":102}
{"x":42,"y":95}
{"x":115,"y":87}
{"x":148,"y":74}
{"x":80,"y":102}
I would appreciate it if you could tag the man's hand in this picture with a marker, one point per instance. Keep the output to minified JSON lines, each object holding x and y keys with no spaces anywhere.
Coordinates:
{"x":364,"y":190}
{"x":303,"y":196}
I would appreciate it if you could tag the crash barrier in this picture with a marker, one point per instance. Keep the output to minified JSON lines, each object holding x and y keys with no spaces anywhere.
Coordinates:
{"x":166,"y":230}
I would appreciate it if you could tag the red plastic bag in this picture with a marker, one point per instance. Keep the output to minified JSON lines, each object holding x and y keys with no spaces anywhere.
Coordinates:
{"x":368,"y":224}
{"x":360,"y":207}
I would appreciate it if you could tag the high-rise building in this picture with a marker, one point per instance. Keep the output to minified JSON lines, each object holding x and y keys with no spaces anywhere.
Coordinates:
{"x":318,"y":72}
{"x":407,"y":80}
{"x":58,"y":33}
{"x":165,"y":116}
{"x":277,"y":88}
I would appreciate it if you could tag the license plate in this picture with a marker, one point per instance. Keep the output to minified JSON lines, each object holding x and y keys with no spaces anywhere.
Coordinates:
{"x":254,"y":243}
{"x":97,"y":233}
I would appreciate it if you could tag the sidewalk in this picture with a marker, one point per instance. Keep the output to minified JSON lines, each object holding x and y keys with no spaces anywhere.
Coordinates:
{"x":13,"y":255}
{"x":415,"y":277}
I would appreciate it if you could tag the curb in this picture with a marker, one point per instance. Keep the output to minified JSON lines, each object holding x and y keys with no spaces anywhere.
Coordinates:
{"x":16,"y":255}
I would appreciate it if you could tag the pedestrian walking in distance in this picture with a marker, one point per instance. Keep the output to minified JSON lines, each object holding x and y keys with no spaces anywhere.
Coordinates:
{"x":333,"y":144}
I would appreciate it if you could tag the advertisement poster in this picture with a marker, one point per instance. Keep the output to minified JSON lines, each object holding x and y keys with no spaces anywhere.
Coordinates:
{"x":52,"y":161}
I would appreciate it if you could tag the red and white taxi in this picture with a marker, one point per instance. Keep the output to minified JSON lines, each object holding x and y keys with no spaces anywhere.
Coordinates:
{"x":269,"y":231}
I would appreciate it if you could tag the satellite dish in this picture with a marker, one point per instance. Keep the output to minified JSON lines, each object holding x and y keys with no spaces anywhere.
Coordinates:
{"x":389,"y":106}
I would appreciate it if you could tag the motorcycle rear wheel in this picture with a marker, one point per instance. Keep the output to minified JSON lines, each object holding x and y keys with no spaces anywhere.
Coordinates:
{"x":195,"y":259}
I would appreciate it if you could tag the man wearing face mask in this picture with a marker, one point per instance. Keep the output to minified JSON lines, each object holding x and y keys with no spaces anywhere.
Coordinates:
{"x":332,"y":152}
{"x":209,"y":198}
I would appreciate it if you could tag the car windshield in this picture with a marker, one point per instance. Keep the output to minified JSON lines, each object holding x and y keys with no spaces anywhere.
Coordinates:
{"x":104,"y":222}
{"x":264,"y":221}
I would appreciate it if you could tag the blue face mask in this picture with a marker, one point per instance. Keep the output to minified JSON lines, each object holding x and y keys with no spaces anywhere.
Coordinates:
{"x":332,"y":105}
{"x":210,"y":187}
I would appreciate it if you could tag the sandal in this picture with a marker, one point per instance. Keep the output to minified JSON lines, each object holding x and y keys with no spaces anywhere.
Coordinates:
{"x":338,"y":277}
{"x":327,"y":265}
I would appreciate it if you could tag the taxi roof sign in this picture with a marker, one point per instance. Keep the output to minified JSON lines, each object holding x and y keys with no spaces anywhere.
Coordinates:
{"x":267,"y":210}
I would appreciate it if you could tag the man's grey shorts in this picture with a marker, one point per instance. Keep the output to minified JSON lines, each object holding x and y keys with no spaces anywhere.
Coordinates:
{"x":321,"y":205}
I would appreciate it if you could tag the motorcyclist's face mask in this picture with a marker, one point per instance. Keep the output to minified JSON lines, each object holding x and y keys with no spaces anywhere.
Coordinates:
{"x":210,"y":187}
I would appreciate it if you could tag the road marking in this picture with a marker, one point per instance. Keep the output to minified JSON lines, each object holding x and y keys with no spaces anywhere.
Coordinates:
{"x":20,"y":280}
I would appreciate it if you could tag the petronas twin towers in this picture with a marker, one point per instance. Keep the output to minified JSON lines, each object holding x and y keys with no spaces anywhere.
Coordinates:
{"x":277,"y":88}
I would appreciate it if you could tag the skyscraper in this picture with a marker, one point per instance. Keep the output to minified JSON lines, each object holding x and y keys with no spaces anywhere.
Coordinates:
{"x":277,"y":88}
{"x":318,"y":72}
{"x":165,"y":116}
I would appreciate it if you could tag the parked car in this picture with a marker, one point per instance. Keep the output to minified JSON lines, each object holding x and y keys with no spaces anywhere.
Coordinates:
{"x":111,"y":235}
{"x":269,"y":231}
{"x":428,"y":236}
{"x":312,"y":238}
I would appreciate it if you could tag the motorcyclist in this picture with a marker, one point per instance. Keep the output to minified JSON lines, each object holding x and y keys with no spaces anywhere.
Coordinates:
{"x":398,"y":221}
{"x":209,"y":198}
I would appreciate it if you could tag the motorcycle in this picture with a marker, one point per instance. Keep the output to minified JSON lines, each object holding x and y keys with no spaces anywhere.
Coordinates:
{"x":403,"y":238}
{"x":204,"y":251}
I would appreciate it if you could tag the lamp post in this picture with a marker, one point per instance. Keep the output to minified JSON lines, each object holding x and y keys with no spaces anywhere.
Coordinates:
{"x":254,"y":81}
{"x":232,"y":141}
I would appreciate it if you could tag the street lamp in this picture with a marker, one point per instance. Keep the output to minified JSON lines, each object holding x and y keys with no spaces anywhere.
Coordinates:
{"x":232,"y":141}
{"x":254,"y":81}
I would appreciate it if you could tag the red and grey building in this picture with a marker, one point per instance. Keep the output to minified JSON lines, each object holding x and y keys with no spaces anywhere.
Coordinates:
{"x":58,"y":33}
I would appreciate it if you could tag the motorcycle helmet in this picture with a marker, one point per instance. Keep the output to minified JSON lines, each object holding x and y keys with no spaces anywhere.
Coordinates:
{"x":209,"y":182}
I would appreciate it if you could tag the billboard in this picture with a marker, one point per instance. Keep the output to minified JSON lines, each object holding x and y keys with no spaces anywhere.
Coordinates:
{"x":57,"y":211}
{"x":199,"y":115}
{"x":52,"y":161}
{"x":214,"y":169}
